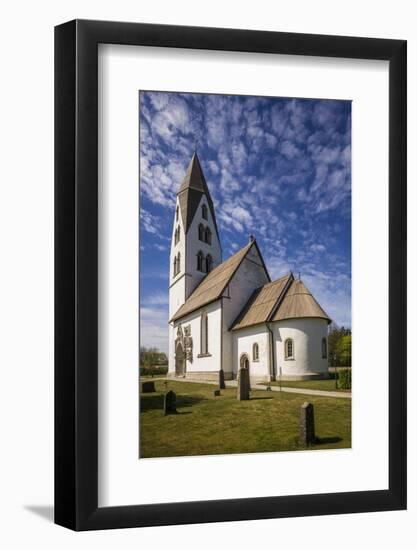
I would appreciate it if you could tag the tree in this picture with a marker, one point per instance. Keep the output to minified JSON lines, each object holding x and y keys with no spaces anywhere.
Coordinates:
{"x":149,"y":357}
{"x":340,"y":344}
{"x":344,"y":350}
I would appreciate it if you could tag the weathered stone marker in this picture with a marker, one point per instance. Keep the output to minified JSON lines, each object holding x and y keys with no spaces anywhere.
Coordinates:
{"x":307,"y":435}
{"x":170,"y":403}
{"x":148,"y":387}
{"x":216,"y":393}
{"x":222,"y":385}
{"x":243,"y":385}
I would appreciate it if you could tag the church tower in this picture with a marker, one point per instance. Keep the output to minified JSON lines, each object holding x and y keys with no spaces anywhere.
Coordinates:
{"x":195,"y":243}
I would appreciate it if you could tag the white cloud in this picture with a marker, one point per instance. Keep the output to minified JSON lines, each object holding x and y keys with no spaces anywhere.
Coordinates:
{"x":289,"y":150}
{"x":214,"y":167}
{"x":317,"y":248}
{"x":154,"y":328}
{"x":156,"y":299}
{"x":149,"y":222}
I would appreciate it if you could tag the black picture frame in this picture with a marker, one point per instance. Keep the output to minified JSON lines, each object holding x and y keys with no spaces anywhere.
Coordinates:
{"x":76,"y":271}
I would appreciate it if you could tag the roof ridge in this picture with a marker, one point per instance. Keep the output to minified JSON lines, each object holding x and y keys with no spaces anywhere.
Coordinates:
{"x":282,"y":296}
{"x":217,"y":268}
{"x":264,"y":299}
{"x":203,"y":289}
{"x":276,"y":280}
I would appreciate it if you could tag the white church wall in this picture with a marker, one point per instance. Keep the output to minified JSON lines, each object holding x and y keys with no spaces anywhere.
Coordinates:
{"x":201,"y":366}
{"x":194,"y":245}
{"x":243,"y":341}
{"x":171,"y":349}
{"x":250,"y":275}
{"x":307,"y":334}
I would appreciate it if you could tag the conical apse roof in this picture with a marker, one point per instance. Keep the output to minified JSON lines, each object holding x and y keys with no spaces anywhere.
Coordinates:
{"x":299,"y":302}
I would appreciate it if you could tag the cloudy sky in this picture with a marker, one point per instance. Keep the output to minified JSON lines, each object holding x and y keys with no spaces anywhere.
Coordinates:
{"x":276,"y":168}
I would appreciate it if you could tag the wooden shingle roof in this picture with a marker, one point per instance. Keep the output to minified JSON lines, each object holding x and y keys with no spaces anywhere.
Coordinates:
{"x":284,"y":298}
{"x":214,"y":284}
{"x":299,"y":302}
{"x":262,"y":303}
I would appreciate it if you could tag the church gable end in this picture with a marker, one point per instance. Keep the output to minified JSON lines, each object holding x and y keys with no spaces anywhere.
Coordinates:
{"x":249,"y":275}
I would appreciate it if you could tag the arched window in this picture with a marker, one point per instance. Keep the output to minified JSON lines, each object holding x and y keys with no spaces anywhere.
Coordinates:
{"x":324,"y":348}
{"x":204,"y":336}
{"x":200,"y":261}
{"x":176,"y":214}
{"x":204,"y":211}
{"x":208,"y":235}
{"x":201,"y":232}
{"x":255,"y":352}
{"x":209,"y":263}
{"x":175,"y":266}
{"x":178,"y":262}
{"x":177,"y":235}
{"x":289,"y":348}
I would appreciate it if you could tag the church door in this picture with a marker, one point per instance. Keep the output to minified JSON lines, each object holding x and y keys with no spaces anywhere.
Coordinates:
{"x":179,"y":360}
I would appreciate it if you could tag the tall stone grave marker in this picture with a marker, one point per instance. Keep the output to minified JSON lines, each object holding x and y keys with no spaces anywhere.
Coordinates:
{"x":148,"y":386}
{"x":243,"y":384}
{"x":222,"y":385}
{"x":170,"y":403}
{"x":307,"y":434}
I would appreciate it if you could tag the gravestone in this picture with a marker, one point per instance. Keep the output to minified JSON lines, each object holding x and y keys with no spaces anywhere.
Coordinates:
{"x":216,"y":393}
{"x":222,"y":385}
{"x":243,"y":384}
{"x":148,"y":387}
{"x":170,"y":403}
{"x":307,"y":435}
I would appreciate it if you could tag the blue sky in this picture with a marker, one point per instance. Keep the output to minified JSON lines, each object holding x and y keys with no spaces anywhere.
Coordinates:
{"x":277,"y":168}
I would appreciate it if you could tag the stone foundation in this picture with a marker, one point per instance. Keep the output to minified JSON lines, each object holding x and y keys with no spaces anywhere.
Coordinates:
{"x":204,"y":376}
{"x":213,"y":376}
{"x":260,"y":379}
{"x":309,"y":376}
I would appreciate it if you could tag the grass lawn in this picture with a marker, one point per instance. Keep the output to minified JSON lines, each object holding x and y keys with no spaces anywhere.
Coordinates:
{"x":325,"y":385}
{"x":207,"y":425}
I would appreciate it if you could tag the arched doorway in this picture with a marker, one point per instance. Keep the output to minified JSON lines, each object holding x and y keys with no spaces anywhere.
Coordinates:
{"x":179,"y":360}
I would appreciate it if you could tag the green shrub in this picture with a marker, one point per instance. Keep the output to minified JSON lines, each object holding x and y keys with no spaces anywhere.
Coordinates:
{"x":153,"y":371}
{"x":344,"y":379}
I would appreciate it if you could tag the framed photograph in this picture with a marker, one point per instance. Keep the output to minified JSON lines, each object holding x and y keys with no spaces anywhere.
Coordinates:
{"x":230,"y":244}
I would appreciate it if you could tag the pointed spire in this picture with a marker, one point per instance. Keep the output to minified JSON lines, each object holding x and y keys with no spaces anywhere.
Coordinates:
{"x":194,"y":177}
{"x":189,"y":195}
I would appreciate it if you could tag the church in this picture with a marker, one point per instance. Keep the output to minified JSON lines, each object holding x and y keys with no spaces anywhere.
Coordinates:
{"x":224,"y":315}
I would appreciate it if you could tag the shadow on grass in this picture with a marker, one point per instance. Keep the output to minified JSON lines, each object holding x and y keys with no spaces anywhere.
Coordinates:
{"x":151,"y":402}
{"x":263,"y":398}
{"x":327,"y":440}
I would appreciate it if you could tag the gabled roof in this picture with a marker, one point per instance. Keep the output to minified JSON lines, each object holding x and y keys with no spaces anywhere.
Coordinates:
{"x":192,"y":188}
{"x":214,"y":284}
{"x":299,"y":302}
{"x":262,"y":304}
